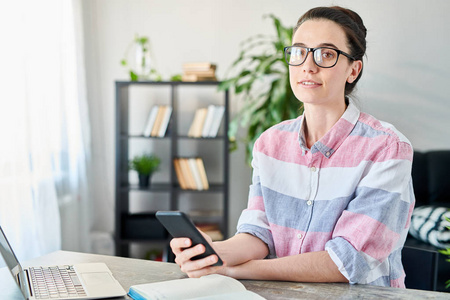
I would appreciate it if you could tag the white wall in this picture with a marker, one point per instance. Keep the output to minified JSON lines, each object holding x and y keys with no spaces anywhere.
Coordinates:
{"x":405,"y":81}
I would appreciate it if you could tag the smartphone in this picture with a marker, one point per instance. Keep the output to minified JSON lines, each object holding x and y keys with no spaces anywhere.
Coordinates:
{"x":178,"y":224}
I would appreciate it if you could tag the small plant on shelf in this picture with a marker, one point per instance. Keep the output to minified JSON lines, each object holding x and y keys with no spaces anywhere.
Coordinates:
{"x":145,"y":165}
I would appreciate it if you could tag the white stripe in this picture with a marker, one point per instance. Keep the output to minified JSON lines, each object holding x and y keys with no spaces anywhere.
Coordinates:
{"x":284,"y":177}
{"x":400,"y":136}
{"x":253,"y":217}
{"x":377,"y":269}
{"x":389,"y":176}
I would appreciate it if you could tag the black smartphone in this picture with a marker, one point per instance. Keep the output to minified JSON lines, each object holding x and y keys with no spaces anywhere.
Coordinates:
{"x":178,"y":224}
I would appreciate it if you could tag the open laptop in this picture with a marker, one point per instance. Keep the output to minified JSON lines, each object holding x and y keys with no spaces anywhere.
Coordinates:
{"x":78,"y":281}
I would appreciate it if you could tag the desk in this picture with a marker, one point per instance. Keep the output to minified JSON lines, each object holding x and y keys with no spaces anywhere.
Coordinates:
{"x":129,"y":271}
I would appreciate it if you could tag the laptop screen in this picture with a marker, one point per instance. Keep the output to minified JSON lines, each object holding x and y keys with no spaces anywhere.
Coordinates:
{"x":8,"y":255}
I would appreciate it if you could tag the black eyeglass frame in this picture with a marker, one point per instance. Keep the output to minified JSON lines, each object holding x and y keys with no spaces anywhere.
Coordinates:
{"x":339,"y":52}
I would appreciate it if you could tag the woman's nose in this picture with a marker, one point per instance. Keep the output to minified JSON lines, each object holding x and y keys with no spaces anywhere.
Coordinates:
{"x":309,"y":65}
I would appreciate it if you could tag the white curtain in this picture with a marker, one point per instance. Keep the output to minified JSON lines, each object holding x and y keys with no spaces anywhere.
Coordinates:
{"x":44,"y":127}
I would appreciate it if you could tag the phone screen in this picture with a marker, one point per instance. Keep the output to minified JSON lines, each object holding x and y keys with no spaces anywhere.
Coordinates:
{"x":178,"y":224}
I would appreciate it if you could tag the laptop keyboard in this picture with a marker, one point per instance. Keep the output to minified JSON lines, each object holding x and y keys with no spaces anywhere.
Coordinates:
{"x":56,"y":282}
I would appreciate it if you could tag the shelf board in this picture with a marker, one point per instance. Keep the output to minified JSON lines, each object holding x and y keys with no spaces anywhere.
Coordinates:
{"x":154,"y":187}
{"x":213,"y":188}
{"x":140,"y":136}
{"x":169,"y":83}
{"x":219,"y":137}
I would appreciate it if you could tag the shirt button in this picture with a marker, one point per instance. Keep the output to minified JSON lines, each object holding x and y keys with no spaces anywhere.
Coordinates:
{"x":313,"y":169}
{"x":327,"y":154}
{"x":309,"y":202}
{"x":299,"y":236}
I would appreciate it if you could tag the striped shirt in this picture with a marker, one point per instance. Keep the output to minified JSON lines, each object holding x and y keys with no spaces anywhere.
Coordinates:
{"x":350,"y":194}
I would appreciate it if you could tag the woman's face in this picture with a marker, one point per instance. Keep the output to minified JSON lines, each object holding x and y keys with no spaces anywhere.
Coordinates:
{"x":313,"y":84}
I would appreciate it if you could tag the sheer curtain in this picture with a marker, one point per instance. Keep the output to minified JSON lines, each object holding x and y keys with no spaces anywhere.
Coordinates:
{"x":44,"y":127}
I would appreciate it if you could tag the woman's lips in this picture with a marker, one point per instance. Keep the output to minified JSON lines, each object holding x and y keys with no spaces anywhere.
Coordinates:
{"x":309,"y":84}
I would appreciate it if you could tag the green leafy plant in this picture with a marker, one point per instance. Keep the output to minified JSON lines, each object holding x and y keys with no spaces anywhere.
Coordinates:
{"x":447,"y":252}
{"x":143,"y":42}
{"x":263,"y":80}
{"x":145,"y":164}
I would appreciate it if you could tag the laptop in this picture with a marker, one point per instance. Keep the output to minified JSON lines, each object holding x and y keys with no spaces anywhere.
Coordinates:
{"x":78,"y":281}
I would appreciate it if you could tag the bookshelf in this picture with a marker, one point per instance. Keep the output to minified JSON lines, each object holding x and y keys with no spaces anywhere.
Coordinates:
{"x":141,"y":227}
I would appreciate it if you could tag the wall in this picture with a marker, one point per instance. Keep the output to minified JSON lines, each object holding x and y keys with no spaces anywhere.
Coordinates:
{"x":405,"y":79}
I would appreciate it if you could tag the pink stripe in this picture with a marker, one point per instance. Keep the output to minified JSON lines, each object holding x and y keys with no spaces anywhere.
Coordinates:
{"x":285,"y":240}
{"x":284,"y":146}
{"x":290,"y":241}
{"x":399,"y":282}
{"x":411,"y":208}
{"x":281,"y":145}
{"x":315,"y":241}
{"x":366,"y":234}
{"x":256,"y":203}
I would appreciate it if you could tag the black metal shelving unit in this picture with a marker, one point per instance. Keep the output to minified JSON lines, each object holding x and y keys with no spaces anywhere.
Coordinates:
{"x":143,"y":227}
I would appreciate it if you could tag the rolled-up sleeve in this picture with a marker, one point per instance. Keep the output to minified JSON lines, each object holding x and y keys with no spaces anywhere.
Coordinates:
{"x":253,"y":219}
{"x":375,"y":222}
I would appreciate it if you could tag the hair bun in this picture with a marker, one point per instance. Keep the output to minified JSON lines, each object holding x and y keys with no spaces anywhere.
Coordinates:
{"x":355,"y":17}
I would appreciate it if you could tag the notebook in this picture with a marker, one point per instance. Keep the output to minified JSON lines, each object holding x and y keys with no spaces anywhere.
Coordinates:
{"x":78,"y":281}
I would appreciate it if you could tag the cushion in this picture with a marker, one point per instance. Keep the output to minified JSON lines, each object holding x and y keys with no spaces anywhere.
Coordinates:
{"x":430,"y":224}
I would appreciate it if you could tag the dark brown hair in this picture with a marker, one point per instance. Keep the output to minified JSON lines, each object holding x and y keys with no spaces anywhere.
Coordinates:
{"x":353,"y":27}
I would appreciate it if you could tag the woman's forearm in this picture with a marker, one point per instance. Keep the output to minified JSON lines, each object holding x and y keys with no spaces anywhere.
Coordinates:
{"x":240,"y":249}
{"x":307,"y":267}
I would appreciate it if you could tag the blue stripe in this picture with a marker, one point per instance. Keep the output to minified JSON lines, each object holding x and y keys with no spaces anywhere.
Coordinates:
{"x":396,"y":266}
{"x":383,"y":206}
{"x":263,"y":234}
{"x":292,"y":212}
{"x":355,"y":265}
{"x":364,"y":130}
{"x":381,"y":281}
{"x":292,"y":125}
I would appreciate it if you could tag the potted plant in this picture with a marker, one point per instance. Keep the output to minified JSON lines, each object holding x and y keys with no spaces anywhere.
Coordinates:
{"x":447,"y":252}
{"x":144,"y":165}
{"x":263,"y":80}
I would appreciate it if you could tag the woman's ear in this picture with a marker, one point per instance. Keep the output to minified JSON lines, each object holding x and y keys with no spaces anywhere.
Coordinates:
{"x":355,"y":70}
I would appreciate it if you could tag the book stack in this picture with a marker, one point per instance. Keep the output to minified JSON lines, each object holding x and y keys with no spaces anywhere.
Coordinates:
{"x":203,"y":71}
{"x":158,"y":121}
{"x":206,"y":121}
{"x":191,"y":173}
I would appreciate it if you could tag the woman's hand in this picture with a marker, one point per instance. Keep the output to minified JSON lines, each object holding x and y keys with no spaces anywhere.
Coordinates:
{"x":181,"y":247}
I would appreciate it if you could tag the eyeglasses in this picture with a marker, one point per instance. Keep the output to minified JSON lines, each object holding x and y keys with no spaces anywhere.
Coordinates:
{"x":324,"y":57}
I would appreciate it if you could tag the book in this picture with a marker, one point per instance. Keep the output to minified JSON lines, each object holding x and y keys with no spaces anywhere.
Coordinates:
{"x":213,"y":286}
{"x":197,"y":77}
{"x":195,"y":120}
{"x":199,"y":66}
{"x":208,"y":120}
{"x":165,"y":121}
{"x":217,"y":119}
{"x":203,"y":73}
{"x":179,"y":173}
{"x":186,"y":170}
{"x":201,"y":170}
{"x":196,"y":173}
{"x":158,"y":120}
{"x":150,"y":121}
{"x":197,"y":124}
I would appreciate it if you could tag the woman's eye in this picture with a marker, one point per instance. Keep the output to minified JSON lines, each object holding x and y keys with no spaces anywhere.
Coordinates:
{"x":328,"y":54}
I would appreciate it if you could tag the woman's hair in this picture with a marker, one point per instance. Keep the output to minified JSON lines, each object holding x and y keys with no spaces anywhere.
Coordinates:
{"x":353,"y":27}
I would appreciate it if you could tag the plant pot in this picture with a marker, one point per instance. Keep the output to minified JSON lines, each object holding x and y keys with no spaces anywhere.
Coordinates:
{"x":144,"y":180}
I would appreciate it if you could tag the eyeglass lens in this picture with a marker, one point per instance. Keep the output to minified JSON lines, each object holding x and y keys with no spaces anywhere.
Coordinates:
{"x":323,"y":57}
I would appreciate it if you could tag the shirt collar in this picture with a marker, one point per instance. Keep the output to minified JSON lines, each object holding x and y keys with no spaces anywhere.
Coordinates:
{"x":331,"y":141}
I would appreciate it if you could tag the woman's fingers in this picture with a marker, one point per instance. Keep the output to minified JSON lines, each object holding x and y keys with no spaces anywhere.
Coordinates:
{"x":178,"y":244}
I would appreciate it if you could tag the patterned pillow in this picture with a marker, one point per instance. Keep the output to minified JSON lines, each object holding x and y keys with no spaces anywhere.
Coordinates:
{"x":429,"y":224}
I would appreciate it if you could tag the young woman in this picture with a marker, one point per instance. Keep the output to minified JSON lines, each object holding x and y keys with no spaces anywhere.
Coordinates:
{"x":331,"y":197}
